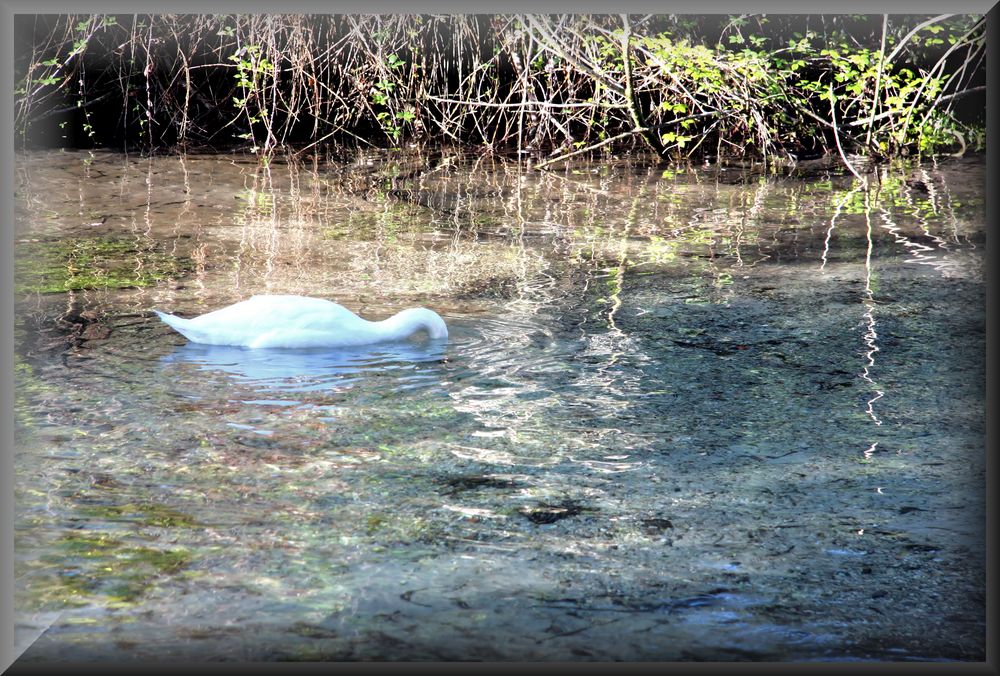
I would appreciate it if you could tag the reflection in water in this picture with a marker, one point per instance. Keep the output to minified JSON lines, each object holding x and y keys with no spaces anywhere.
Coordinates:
{"x":870,"y":337}
{"x":327,"y":369}
{"x":845,"y":198}
{"x":920,"y":253}
{"x":868,"y":453}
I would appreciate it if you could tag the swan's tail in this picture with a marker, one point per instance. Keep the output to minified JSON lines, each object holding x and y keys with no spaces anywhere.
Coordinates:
{"x":179,"y":324}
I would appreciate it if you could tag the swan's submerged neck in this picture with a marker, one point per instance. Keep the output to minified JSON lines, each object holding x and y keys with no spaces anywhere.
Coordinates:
{"x":404,"y":324}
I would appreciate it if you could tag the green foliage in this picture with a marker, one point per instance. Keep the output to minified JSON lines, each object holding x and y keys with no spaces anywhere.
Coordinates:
{"x":739,"y":85}
{"x":254,"y":74}
{"x":775,"y":97}
{"x":393,"y":122}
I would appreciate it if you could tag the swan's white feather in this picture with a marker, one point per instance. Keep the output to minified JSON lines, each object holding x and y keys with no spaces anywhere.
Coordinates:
{"x":298,"y":321}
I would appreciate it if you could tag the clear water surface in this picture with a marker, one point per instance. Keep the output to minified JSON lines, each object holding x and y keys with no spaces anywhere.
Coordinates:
{"x":684,"y":413}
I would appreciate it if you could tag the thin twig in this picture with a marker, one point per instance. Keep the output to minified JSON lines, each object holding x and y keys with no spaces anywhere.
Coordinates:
{"x":836,"y":135}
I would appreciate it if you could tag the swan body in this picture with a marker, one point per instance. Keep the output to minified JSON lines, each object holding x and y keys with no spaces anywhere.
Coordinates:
{"x":300,"y":322}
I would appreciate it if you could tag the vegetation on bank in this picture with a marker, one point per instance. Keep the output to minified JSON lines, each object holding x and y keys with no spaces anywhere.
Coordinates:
{"x":713,"y":86}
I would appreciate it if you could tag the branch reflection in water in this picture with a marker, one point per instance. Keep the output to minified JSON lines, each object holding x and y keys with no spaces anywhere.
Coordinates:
{"x":870,"y":337}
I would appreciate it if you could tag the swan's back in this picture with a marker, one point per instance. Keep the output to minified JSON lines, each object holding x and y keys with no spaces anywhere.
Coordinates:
{"x":265,"y":312}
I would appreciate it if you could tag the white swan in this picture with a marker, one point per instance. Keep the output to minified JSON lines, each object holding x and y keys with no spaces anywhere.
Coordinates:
{"x":297,"y":321}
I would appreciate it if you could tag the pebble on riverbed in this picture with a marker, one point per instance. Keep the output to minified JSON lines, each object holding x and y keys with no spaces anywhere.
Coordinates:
{"x":80,"y":326}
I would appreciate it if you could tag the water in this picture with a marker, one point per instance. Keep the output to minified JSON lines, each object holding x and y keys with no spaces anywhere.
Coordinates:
{"x":683,"y":414}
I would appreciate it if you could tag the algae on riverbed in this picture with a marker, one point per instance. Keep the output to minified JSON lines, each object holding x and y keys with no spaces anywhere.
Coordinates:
{"x":98,"y":568}
{"x":77,"y":263}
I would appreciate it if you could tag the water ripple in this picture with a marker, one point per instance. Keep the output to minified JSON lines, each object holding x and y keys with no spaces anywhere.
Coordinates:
{"x":406,"y":365}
